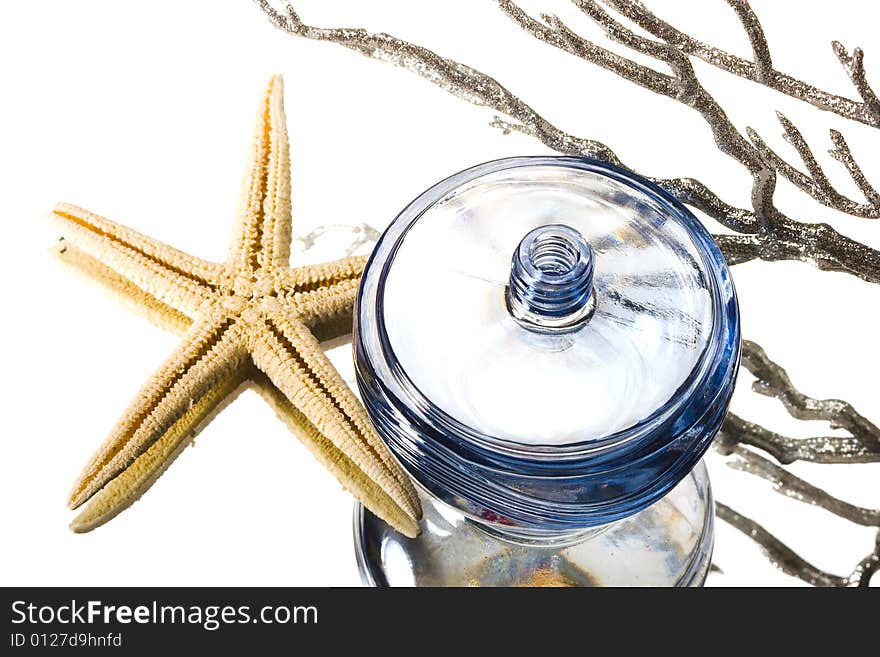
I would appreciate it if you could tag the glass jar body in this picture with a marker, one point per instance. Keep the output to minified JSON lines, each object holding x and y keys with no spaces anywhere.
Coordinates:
{"x":669,"y":543}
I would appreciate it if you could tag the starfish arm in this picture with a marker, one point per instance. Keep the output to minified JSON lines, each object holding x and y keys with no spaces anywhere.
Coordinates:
{"x":346,"y":471}
{"x":122,"y":491}
{"x":159,"y":313}
{"x":311,"y":277}
{"x":175,"y":278}
{"x":324,"y":309}
{"x":285,"y":350}
{"x":262,"y":237}
{"x":323,"y":295}
{"x":211,"y":350}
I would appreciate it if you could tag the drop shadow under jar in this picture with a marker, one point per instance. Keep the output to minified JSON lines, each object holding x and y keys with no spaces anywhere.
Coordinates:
{"x":548,"y":345}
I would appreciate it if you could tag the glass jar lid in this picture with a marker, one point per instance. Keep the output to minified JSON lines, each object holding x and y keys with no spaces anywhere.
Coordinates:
{"x":543,"y":302}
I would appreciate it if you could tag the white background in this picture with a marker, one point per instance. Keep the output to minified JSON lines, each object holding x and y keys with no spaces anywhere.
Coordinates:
{"x":143,"y":113}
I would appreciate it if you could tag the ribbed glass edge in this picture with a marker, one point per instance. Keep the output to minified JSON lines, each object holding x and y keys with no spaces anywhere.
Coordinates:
{"x":433,"y":446}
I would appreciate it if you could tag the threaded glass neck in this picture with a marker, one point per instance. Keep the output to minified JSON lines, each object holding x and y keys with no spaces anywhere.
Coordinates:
{"x":551,"y":280}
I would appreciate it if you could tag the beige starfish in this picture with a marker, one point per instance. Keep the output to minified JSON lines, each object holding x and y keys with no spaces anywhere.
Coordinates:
{"x":250,"y":319}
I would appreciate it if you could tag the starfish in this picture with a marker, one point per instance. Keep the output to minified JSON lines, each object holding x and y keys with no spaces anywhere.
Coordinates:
{"x":252,"y":319}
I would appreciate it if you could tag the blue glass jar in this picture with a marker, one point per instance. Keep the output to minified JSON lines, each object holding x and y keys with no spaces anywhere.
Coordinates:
{"x":548,"y":345}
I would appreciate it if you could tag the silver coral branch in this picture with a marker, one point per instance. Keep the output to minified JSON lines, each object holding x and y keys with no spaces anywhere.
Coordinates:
{"x":790,"y":562}
{"x":796,"y":488}
{"x":855,"y":67}
{"x":690,"y":92}
{"x":815,"y":182}
{"x":842,"y":154}
{"x":861,"y":446}
{"x":777,"y":236}
{"x":817,"y":243}
{"x":760,"y":50}
{"x":761,"y":70}
{"x":819,"y":449}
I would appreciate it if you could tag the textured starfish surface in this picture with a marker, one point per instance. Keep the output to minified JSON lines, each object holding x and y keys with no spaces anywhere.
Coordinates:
{"x":251,"y":319}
